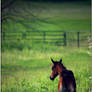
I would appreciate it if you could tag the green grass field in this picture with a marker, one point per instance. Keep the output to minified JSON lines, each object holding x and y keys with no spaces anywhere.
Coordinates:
{"x":29,"y":70}
{"x":44,"y":16}
{"x":73,"y":16}
{"x":26,"y":66}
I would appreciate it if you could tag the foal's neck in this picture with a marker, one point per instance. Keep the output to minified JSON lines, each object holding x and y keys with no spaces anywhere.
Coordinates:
{"x":61,"y":69}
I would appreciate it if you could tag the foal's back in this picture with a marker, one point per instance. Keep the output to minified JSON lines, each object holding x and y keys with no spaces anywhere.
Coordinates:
{"x":69,"y":83}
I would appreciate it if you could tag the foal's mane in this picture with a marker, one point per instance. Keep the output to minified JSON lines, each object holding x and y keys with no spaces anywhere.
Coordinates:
{"x":63,"y":66}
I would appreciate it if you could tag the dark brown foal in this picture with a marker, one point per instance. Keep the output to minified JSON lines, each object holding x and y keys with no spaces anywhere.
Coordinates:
{"x":66,"y":77}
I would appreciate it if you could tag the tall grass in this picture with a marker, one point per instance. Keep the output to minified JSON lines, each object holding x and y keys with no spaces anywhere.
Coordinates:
{"x":26,"y":66}
{"x":47,"y":17}
{"x":29,"y":70}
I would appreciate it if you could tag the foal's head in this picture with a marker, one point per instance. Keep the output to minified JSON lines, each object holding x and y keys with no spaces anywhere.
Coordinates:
{"x":57,"y":68}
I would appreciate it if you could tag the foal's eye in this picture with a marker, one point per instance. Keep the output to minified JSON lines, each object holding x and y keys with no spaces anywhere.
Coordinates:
{"x":53,"y":68}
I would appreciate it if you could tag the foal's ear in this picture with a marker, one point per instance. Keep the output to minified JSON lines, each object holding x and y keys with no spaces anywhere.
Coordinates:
{"x":52,"y":61}
{"x":60,"y":60}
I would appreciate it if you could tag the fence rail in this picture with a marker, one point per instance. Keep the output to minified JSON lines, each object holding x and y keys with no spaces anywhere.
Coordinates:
{"x":58,"y":37}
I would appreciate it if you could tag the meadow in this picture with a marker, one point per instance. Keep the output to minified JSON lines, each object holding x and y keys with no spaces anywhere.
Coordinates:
{"x":26,"y":66}
{"x":29,"y":70}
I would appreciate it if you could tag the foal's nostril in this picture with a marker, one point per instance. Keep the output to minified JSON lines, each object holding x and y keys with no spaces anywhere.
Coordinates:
{"x":51,"y":78}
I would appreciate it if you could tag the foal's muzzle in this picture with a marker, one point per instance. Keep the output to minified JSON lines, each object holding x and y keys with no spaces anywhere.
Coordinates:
{"x":51,"y":78}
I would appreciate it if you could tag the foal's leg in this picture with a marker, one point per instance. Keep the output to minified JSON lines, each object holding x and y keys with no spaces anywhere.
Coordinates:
{"x":63,"y":89}
{"x":71,"y":88}
{"x":60,"y":90}
{"x":60,"y":87}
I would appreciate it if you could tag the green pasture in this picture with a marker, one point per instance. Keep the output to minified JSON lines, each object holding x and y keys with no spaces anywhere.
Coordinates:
{"x":29,"y":70}
{"x":26,"y":65}
{"x":26,"y":16}
{"x":43,"y":16}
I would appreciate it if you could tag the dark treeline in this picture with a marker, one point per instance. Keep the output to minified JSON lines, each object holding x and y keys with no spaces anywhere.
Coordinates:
{"x":58,"y":0}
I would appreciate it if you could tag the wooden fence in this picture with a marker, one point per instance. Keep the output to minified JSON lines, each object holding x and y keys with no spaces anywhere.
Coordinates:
{"x":59,"y":38}
{"x":78,"y":39}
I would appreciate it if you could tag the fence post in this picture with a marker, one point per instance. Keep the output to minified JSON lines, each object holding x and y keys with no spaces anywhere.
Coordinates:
{"x":78,"y":40}
{"x":64,"y":38}
{"x":23,"y":36}
{"x":3,"y":35}
{"x":44,"y":36}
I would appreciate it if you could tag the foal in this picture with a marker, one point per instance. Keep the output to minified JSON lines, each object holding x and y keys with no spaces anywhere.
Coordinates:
{"x":66,"y":77}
